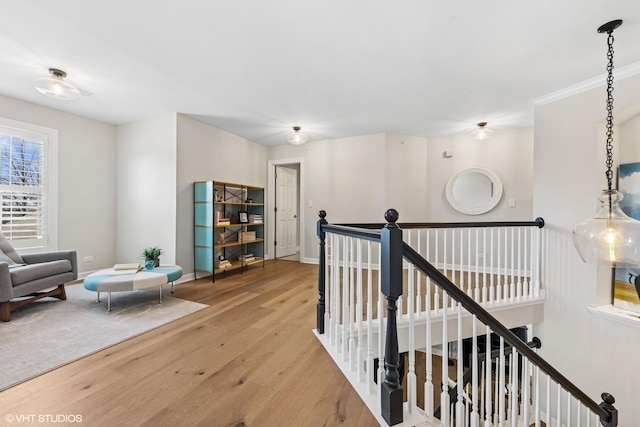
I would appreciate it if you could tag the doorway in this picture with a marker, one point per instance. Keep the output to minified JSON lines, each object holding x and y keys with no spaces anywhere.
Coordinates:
{"x":285,"y":195}
{"x":287,"y":244}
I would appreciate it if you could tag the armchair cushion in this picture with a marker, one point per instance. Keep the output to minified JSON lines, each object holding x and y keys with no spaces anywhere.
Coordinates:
{"x":9,"y":250}
{"x":27,"y":273}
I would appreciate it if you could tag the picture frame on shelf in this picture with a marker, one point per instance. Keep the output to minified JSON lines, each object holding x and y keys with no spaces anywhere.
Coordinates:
{"x":626,"y":281}
{"x":243,"y":217}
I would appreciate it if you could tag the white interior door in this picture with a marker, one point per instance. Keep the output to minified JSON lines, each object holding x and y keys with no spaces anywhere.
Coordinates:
{"x":286,"y":211}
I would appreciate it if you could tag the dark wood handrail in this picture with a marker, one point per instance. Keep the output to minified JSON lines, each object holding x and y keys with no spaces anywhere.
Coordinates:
{"x":352,"y":232}
{"x":485,"y":317}
{"x":538,"y":222}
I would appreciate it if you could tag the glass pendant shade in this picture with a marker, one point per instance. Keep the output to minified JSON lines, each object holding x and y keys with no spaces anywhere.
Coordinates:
{"x":55,"y":86}
{"x":297,"y":137}
{"x":482,"y":132}
{"x":610,"y":238}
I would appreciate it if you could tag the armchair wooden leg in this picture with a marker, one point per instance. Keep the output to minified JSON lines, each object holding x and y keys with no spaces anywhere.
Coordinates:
{"x":5,"y":311}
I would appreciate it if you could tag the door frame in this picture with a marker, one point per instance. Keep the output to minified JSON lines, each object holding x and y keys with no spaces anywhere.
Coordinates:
{"x":271,"y":203}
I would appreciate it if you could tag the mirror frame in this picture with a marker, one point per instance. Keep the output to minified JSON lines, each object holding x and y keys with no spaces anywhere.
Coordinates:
{"x":492,"y":203}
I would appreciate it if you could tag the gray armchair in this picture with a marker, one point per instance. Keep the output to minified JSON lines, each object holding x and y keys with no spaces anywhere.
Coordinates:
{"x":33,"y":276}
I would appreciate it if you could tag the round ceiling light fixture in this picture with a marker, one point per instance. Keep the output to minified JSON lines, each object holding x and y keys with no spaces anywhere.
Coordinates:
{"x":482,"y":132}
{"x":54,"y":86}
{"x":296,"y":137}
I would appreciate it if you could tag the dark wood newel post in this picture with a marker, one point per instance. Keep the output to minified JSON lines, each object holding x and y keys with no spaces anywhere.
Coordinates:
{"x":607,"y":405}
{"x":391,"y":284}
{"x":321,"y":273}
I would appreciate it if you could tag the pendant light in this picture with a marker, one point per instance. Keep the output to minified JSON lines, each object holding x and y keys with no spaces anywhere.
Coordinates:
{"x":296,"y":137}
{"x":55,"y":86}
{"x":611,"y":237}
{"x":482,"y":132}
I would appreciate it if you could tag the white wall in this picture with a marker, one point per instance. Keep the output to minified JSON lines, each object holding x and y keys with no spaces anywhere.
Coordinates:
{"x":146,"y":188}
{"x":357,"y":179}
{"x":206,"y":153}
{"x":87,"y":187}
{"x":508,"y":153}
{"x":596,"y":354}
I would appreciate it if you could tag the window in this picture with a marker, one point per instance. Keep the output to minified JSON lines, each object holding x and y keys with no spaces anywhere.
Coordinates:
{"x":27,"y":186}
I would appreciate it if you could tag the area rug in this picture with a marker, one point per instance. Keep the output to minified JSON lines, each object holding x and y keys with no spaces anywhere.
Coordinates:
{"x":49,"y":333}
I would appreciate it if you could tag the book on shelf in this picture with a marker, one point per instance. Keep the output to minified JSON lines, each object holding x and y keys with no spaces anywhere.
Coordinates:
{"x":255,"y":218}
{"x":223,"y":263}
{"x":220,"y":220}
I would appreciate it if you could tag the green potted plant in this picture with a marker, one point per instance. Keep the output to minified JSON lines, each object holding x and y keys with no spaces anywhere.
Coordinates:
{"x":152,"y":253}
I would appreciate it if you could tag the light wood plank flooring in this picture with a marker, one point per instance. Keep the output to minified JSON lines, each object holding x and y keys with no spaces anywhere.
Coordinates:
{"x":250,"y":359}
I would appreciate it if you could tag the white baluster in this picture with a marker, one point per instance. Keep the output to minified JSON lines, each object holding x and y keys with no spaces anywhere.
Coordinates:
{"x":459,"y":376}
{"x":444,"y":396}
{"x":484,"y":266}
{"x":381,"y":331}
{"x":488,"y":416}
{"x":419,"y":279}
{"x":569,"y":409}
{"x":335,"y":318}
{"x":352,"y":305}
{"x":360,"y":345}
{"x":428,"y":385}
{"x":559,"y":406}
{"x":526,"y":390}
{"x":475,"y":416}
{"x":502,"y":385}
{"x":512,"y":282}
{"x":498,"y":271}
{"x":369,"y":362}
{"x":519,"y":285}
{"x":411,"y":377}
{"x":513,"y":371}
{"x":345,"y":300}
{"x":494,"y":271}
{"x":436,"y":296}
{"x":476,"y":288}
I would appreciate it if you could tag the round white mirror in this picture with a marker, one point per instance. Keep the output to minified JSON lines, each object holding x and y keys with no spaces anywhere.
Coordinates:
{"x":474,"y":191}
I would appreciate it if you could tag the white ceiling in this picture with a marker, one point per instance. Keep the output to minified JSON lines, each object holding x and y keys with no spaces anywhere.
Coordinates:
{"x":335,"y":67}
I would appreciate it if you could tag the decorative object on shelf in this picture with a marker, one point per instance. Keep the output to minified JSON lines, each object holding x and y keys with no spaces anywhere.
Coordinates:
{"x":297,"y":137}
{"x":221,"y":237}
{"x":54,"y":86}
{"x":249,"y":201}
{"x":611,"y":237}
{"x":243,"y":217}
{"x":217,"y":195}
{"x":482,"y":132}
{"x":152,"y":253}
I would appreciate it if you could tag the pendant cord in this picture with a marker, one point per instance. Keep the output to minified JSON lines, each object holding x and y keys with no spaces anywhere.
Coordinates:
{"x":610,"y":110}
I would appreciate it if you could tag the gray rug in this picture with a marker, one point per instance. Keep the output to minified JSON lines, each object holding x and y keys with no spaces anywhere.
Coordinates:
{"x":49,"y":333}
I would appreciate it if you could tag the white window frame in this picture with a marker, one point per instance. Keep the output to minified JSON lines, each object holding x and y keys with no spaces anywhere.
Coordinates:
{"x":49,"y":136}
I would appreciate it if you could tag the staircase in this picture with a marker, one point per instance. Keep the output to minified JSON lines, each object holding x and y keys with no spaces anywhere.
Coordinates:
{"x":448,"y":296}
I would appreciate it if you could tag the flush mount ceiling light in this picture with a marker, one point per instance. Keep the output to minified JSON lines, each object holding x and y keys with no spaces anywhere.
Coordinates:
{"x":611,"y":237}
{"x":55,"y":86}
{"x":481,"y":132}
{"x":296,"y":137}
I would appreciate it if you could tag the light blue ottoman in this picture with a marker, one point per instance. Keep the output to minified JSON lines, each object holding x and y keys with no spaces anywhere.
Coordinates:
{"x":110,"y":280}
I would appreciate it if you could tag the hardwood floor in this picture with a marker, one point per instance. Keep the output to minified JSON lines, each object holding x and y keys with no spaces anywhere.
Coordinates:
{"x":249,"y":359}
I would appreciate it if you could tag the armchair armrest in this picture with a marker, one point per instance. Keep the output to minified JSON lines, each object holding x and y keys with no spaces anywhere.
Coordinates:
{"x":35,"y":258}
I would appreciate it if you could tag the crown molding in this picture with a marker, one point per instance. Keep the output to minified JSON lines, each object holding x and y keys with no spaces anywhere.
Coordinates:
{"x":620,"y":73}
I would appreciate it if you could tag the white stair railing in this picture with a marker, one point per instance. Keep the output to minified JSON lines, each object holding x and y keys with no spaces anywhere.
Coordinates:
{"x":495,"y":378}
